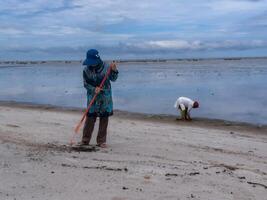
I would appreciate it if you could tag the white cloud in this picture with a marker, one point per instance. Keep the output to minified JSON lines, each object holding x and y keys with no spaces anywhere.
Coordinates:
{"x":30,"y":6}
{"x":173,"y":44}
{"x":140,"y":24}
{"x":230,"y":6}
{"x":199,"y":45}
{"x":10,"y":31}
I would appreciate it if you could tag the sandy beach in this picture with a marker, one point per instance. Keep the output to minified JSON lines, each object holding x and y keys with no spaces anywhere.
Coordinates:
{"x":149,"y":157}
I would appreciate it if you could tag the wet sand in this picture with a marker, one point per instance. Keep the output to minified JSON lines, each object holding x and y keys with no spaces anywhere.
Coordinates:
{"x":149,"y":157}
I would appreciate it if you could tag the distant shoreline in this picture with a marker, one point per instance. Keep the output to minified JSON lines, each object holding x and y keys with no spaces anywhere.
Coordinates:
{"x":197,"y":122}
{"x":26,"y":62}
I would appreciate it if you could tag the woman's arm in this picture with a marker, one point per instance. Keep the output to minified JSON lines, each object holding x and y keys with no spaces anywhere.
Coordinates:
{"x":114,"y":72}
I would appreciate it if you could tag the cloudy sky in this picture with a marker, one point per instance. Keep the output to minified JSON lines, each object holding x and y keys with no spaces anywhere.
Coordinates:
{"x":120,"y":29}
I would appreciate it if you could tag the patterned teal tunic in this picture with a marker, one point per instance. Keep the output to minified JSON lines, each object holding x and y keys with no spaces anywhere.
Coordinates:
{"x":103,"y":105}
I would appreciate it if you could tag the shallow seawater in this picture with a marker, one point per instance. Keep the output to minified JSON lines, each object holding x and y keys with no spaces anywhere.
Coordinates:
{"x":226,"y":89}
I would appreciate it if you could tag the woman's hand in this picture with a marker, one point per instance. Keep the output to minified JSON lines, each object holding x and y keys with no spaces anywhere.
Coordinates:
{"x":113,"y":66}
{"x":98,"y":90}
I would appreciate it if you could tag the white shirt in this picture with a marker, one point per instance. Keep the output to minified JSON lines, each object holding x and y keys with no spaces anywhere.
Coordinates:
{"x":184,"y":102}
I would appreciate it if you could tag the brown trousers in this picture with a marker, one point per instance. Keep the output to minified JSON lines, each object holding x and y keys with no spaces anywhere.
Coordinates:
{"x":89,"y":128}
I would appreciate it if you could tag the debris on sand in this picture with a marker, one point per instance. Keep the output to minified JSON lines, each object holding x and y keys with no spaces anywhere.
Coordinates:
{"x":260,"y":184}
{"x":125,"y":169}
{"x":147,"y":177}
{"x":12,"y":125}
{"x":229,"y":167}
{"x":194,"y":173}
{"x":66,"y":165}
{"x":107,"y":168}
{"x":168,"y":174}
{"x":85,"y":148}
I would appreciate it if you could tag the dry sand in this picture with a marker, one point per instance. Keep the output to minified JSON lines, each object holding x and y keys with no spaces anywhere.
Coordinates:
{"x":148,"y":158}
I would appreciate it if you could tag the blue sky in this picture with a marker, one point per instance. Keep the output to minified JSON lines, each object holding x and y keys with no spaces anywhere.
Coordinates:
{"x":121,"y":29}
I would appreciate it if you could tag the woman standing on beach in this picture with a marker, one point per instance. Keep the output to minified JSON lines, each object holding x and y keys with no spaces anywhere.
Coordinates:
{"x":93,"y":74}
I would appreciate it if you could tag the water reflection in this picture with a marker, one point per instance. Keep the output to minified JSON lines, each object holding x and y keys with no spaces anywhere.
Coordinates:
{"x":232,"y":90}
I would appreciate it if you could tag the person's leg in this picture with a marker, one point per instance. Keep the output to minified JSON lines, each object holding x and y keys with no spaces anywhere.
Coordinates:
{"x":88,"y":129}
{"x":102,"y":131}
{"x":188,"y":116}
{"x":179,"y":110}
{"x":183,"y":114}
